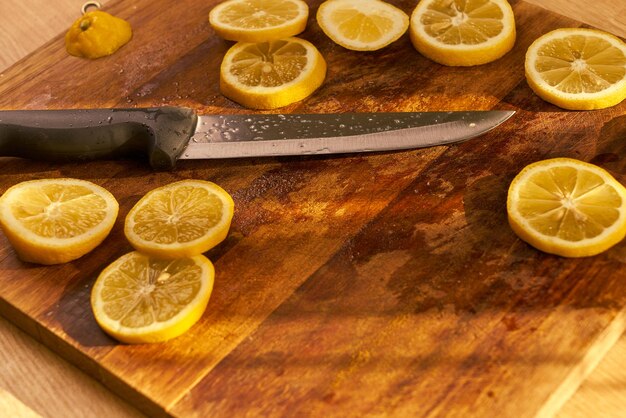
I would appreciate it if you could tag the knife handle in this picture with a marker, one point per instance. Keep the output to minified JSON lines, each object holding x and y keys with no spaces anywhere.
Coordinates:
{"x":88,"y":134}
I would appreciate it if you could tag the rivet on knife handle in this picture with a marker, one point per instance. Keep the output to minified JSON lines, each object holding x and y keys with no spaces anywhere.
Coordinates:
{"x":89,"y":134}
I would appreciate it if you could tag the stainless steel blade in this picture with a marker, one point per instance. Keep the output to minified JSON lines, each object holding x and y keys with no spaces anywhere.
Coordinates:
{"x":231,"y":136}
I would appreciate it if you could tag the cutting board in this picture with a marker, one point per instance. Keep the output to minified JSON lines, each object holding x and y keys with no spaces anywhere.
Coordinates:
{"x":386,"y":284}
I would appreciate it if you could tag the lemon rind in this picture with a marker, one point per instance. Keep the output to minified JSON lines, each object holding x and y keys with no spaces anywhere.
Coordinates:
{"x":555,"y":245}
{"x":397,"y":16}
{"x":31,"y":247}
{"x":7,"y":216}
{"x":260,"y":97}
{"x":157,"y":331}
{"x":464,"y":54}
{"x":189,"y":248}
{"x":573,"y":101}
{"x":238,"y":34}
{"x":311,"y":56}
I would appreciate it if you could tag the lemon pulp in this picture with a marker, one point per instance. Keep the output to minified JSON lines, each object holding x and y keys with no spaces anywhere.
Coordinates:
{"x":143,"y":299}
{"x":463,"y":32}
{"x":268,"y":75}
{"x":259,"y":20}
{"x":579,"y":69}
{"x":52,"y":221}
{"x":362,"y":25}
{"x":567,"y":207}
{"x":181,"y":219}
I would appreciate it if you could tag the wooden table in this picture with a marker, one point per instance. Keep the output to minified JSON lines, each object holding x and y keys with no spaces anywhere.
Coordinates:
{"x":35,"y":382}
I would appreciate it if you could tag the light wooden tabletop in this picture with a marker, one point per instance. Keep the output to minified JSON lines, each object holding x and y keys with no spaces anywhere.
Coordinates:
{"x":35,"y":382}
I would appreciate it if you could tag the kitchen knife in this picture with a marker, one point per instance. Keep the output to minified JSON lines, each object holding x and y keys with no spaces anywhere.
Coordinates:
{"x":167,"y":134}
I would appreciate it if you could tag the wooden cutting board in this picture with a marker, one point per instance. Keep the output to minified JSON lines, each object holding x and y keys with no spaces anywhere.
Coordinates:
{"x":384,"y":284}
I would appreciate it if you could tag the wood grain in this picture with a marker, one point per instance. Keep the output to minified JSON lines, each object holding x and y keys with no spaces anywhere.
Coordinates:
{"x":26,"y":26}
{"x":603,"y":393}
{"x":37,"y":383}
{"x":34,"y":381}
{"x":319,"y":301}
{"x":609,"y":15}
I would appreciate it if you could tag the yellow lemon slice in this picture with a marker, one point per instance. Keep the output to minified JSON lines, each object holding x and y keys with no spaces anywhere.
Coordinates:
{"x":579,"y":69}
{"x":259,"y":20}
{"x":272,"y":74}
{"x":53,"y":221}
{"x":567,"y":207}
{"x":139,"y":299}
{"x":362,"y":25}
{"x":463,"y":32}
{"x":182,"y":219}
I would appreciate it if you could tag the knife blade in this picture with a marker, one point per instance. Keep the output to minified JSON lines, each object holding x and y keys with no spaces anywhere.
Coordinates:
{"x":168,"y":134}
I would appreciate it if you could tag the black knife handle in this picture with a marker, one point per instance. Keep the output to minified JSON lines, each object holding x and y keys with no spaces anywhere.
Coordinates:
{"x":161,"y":134}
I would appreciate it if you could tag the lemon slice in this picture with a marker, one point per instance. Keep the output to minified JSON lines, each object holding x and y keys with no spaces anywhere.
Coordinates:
{"x":362,"y":25}
{"x":567,"y":207}
{"x":272,"y":74}
{"x":579,"y":69}
{"x":53,"y":221}
{"x":259,"y":20}
{"x":182,"y":219}
{"x":139,"y":299}
{"x":463,"y":32}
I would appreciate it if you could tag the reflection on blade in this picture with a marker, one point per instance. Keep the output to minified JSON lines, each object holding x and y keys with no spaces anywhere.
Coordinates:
{"x":234,"y":136}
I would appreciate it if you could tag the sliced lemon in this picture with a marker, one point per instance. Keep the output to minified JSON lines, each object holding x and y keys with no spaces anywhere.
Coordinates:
{"x":53,"y":221}
{"x":463,"y":32}
{"x":578,"y":69}
{"x":140,"y":299}
{"x":362,"y":25}
{"x":567,"y":207}
{"x":259,"y":20}
{"x":182,"y":219}
{"x":272,"y":74}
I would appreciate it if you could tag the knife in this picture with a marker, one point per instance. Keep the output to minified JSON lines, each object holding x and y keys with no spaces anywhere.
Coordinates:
{"x":167,"y":134}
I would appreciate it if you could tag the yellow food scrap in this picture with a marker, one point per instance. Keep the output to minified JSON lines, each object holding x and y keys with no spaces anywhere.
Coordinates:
{"x":97,"y":34}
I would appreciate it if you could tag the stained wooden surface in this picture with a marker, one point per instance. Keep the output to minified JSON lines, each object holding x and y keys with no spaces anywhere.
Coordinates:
{"x":390,"y":283}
